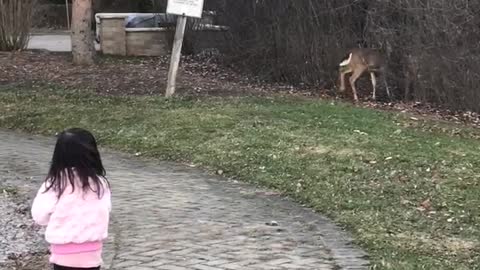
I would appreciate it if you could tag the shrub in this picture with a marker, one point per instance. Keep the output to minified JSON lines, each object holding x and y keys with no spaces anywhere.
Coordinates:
{"x":15,"y":23}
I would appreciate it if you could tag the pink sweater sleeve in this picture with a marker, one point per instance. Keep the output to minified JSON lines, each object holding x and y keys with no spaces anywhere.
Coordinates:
{"x":43,"y":205}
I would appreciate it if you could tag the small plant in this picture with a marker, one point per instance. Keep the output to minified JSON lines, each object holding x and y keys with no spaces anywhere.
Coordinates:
{"x":15,"y":24}
{"x":9,"y":190}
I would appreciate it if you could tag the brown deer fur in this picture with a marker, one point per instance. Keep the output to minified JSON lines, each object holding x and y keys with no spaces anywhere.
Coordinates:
{"x":359,"y":61}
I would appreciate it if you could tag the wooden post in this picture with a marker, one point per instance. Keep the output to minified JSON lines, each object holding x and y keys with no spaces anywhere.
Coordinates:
{"x":176,"y":53}
{"x":68,"y":15}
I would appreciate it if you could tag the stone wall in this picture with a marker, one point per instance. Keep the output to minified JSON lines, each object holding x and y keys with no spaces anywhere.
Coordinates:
{"x":149,"y":41}
{"x":113,"y":36}
{"x":115,"y":39}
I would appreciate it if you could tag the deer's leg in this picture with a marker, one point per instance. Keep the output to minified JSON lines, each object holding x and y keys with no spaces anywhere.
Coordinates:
{"x":342,"y":80}
{"x":356,"y":74}
{"x":406,"y":83}
{"x":407,"y":90}
{"x":374,"y":85}
{"x":386,"y":87}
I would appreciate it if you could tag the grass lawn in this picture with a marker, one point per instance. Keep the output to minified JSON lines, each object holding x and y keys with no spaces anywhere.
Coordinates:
{"x":407,"y":189}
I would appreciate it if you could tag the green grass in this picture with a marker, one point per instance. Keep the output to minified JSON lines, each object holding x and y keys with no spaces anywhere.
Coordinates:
{"x":8,"y":190}
{"x":368,"y":170}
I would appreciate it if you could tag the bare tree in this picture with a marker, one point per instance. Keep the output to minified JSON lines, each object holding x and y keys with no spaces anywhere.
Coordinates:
{"x":83,"y":48}
{"x":15,"y":23}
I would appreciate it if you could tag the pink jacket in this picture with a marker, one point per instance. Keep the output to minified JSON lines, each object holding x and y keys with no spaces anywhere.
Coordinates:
{"x":76,"y":223}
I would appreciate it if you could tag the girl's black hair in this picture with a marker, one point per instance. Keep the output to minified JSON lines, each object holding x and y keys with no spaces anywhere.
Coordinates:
{"x":76,"y":155}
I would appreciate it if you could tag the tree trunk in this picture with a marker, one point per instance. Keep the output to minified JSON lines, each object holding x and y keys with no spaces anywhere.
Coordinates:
{"x":83,"y":48}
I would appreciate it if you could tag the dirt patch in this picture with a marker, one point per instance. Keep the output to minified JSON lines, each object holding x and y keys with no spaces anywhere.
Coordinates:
{"x":22,"y":246}
{"x":444,"y":244}
{"x":199,"y":76}
{"x":34,"y":261}
{"x":324,"y":150}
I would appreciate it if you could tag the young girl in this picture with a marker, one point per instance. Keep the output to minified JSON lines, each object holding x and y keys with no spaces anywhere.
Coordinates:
{"x":73,"y":203}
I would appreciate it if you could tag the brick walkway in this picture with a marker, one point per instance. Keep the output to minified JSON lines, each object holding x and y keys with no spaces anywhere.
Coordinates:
{"x":168,"y":216}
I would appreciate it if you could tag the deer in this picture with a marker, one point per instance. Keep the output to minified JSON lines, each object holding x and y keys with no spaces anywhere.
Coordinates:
{"x":359,"y":61}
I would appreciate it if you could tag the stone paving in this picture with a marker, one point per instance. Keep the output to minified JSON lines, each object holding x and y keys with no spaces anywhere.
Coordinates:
{"x":173,"y":217}
{"x":54,"y":42}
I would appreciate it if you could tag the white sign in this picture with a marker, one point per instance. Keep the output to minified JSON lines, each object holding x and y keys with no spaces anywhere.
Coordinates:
{"x":189,"y":8}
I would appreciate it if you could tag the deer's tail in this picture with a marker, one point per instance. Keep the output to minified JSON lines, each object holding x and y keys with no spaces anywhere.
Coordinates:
{"x":346,"y":61}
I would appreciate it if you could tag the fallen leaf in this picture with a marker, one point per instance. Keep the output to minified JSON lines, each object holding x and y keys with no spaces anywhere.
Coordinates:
{"x":426,"y":205}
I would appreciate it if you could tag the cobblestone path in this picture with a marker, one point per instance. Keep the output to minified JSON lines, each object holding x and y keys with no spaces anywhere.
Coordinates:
{"x":170,"y":216}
